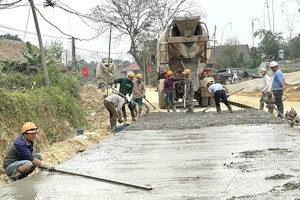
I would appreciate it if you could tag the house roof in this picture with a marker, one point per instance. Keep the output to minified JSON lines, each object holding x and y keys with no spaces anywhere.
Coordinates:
{"x":132,"y":67}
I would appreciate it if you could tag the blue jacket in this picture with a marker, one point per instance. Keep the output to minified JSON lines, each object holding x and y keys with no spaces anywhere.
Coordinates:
{"x":21,"y":149}
{"x":277,"y":80}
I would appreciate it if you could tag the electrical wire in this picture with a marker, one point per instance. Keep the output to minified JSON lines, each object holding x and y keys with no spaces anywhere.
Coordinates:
{"x":89,"y":39}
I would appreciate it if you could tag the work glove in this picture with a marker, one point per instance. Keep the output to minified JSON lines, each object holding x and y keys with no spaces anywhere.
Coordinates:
{"x":144,"y":96}
{"x":47,"y":166}
{"x":120,"y":120}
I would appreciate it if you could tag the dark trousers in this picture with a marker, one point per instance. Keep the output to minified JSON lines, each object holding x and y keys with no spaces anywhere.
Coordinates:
{"x":170,"y":98}
{"x":220,"y":95}
{"x":278,"y":99}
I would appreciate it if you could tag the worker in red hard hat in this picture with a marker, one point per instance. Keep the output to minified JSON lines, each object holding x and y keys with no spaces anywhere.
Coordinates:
{"x":20,"y":161}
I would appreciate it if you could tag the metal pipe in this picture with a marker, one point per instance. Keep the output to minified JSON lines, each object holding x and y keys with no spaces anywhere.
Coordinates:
{"x":106,"y":180}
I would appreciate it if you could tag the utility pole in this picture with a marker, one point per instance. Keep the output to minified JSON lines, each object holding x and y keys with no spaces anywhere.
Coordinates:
{"x":38,"y":32}
{"x":108,"y":58}
{"x":73,"y":55}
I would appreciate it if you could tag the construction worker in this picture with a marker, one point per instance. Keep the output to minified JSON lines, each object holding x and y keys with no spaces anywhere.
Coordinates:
{"x":266,"y":94}
{"x":277,"y":87}
{"x":114,"y":105}
{"x":169,"y":89}
{"x":189,"y":91}
{"x":219,"y":92}
{"x":19,"y":160}
{"x":139,"y":92}
{"x":126,"y":87}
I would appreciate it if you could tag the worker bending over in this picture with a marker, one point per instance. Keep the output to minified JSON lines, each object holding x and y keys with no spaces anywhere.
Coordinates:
{"x":219,"y":92}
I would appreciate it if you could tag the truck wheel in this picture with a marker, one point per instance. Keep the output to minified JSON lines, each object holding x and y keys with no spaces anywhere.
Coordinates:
{"x":204,"y":101}
{"x":161,"y":100}
{"x":227,"y":82}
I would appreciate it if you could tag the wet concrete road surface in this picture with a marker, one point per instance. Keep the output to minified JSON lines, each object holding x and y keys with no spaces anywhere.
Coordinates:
{"x":246,"y":161}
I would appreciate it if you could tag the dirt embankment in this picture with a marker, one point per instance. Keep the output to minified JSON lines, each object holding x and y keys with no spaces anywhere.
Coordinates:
{"x":96,"y":130}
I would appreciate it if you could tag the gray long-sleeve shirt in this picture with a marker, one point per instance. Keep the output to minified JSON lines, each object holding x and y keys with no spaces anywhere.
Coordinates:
{"x":117,"y":101}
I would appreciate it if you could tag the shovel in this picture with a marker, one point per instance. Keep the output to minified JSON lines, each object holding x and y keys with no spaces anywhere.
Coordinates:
{"x":145,"y":99}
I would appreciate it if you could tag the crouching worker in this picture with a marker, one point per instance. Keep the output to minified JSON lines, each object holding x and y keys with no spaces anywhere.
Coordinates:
{"x":19,"y":160}
{"x":114,"y":104}
{"x":219,"y":92}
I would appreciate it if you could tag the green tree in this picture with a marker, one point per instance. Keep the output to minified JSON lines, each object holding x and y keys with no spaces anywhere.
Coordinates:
{"x":139,"y":20}
{"x":270,"y":43}
{"x":54,"y":50}
{"x":231,"y":55}
{"x":10,"y":37}
{"x":295,"y":48}
{"x":256,"y":59}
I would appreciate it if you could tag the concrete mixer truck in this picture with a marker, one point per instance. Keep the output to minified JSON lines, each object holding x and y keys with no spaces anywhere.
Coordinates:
{"x":105,"y":72}
{"x":184,"y":44}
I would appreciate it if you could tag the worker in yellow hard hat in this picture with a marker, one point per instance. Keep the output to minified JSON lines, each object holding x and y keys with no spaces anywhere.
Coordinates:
{"x":169,"y":90}
{"x":189,"y":91}
{"x":126,"y":87}
{"x":20,"y":161}
{"x":139,"y":92}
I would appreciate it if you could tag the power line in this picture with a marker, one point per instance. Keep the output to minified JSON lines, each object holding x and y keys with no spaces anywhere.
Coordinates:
{"x":18,"y":30}
{"x":64,"y":32}
{"x":100,"y":51}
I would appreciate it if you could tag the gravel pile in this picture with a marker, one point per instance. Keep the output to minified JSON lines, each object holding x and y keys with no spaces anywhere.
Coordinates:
{"x":183,"y":121}
{"x":255,"y":84}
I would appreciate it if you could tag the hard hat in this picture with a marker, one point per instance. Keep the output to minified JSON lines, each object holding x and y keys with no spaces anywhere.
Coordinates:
{"x":131,"y":75}
{"x":29,"y":127}
{"x":139,"y":75}
{"x":169,"y":73}
{"x":273,"y":64}
{"x":262,"y":70}
{"x":209,"y":83}
{"x":186,"y":71}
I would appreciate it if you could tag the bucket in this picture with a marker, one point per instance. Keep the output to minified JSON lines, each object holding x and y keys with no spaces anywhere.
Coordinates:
{"x":79,"y":131}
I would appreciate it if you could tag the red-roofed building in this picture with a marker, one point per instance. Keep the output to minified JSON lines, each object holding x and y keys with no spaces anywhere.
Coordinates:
{"x":131,"y":68}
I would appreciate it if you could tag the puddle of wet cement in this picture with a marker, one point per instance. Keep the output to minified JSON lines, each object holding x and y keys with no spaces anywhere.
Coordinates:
{"x":208,"y":163}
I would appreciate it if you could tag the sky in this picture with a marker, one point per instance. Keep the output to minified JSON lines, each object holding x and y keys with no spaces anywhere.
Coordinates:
{"x":232,"y":18}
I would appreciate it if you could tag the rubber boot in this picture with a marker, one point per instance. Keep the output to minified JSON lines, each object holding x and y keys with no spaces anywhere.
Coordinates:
{"x":230,"y":108}
{"x":140,"y":111}
{"x":132,"y":115}
{"x":218,"y":109}
{"x":192,"y":110}
{"x":113,"y":123}
{"x":124,"y":116}
{"x":173,"y":108}
{"x":168,"y":108}
{"x":188,"y":110}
